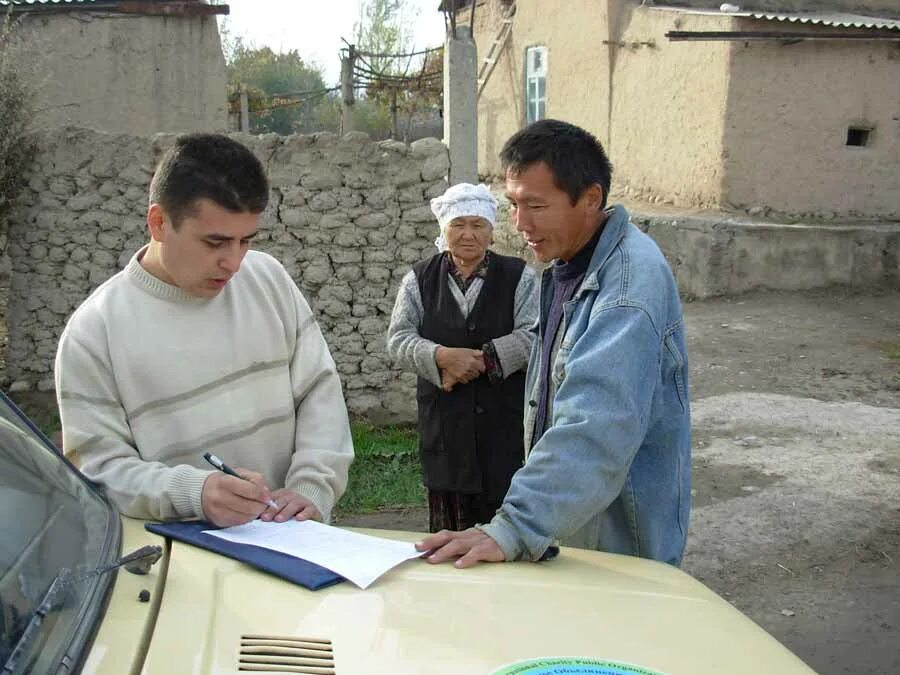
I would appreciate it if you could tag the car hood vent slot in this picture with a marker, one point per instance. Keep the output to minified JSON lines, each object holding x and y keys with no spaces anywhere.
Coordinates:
{"x":274,"y":654}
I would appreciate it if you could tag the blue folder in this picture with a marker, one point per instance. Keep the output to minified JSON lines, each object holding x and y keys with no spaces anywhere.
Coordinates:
{"x":280,"y":564}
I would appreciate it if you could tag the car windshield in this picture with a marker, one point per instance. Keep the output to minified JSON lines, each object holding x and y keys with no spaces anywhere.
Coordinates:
{"x":51,"y":520}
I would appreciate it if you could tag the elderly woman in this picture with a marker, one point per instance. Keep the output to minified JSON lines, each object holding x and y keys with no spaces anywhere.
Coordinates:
{"x":461,"y":323}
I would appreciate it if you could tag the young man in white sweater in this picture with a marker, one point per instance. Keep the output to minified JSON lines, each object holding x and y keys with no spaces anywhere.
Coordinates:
{"x":200,"y":345}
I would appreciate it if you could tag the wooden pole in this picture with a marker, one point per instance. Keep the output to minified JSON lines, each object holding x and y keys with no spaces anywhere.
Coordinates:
{"x":347,"y":95}
{"x":245,"y":109}
{"x":394,"y":131}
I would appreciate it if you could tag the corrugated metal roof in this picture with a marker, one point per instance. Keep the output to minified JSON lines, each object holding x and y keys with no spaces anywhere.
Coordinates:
{"x":832,"y":19}
{"x":18,"y":3}
{"x":145,"y":7}
{"x":75,"y":4}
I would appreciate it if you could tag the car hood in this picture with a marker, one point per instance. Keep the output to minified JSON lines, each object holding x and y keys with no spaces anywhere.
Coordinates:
{"x":422,"y":618}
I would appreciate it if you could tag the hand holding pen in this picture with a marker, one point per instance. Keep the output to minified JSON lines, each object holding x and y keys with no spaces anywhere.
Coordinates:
{"x":222,"y":466}
{"x":233,"y":498}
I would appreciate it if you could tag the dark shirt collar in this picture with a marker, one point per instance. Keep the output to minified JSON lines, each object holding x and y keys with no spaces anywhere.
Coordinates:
{"x":479,"y":272}
{"x":577,"y":266}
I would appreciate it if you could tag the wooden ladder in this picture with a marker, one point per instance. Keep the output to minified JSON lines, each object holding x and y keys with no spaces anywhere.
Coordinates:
{"x":489,"y":61}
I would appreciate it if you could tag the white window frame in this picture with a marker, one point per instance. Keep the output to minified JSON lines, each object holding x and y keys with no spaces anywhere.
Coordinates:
{"x":535,"y":83}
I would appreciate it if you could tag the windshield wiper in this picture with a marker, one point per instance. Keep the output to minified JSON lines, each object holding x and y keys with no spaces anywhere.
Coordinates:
{"x":45,"y":606}
{"x":138,"y":562}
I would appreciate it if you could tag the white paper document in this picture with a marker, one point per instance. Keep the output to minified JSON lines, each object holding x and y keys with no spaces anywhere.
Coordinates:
{"x":359,"y":558}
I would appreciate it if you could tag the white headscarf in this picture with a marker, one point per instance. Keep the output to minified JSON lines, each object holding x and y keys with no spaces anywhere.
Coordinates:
{"x":462,"y":199}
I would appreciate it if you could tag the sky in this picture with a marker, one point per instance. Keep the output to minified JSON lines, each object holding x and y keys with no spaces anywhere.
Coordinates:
{"x":315,"y":27}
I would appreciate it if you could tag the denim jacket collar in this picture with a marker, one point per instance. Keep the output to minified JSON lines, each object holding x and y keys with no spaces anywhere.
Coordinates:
{"x":614,"y":230}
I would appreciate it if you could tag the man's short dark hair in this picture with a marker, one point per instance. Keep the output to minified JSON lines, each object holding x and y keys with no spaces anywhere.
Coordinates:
{"x":574,"y":156}
{"x":208,"y":166}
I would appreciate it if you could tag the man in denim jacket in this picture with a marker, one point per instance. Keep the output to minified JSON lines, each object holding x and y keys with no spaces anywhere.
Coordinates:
{"x":607,"y":423}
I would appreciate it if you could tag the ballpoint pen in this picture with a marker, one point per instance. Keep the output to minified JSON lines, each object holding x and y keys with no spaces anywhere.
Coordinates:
{"x":223,"y":467}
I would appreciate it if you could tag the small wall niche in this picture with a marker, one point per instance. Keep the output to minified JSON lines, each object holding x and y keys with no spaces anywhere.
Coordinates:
{"x":859,"y":136}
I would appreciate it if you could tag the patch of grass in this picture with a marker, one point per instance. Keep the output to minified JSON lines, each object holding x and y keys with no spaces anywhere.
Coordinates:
{"x":892,"y":349}
{"x":386,"y":471}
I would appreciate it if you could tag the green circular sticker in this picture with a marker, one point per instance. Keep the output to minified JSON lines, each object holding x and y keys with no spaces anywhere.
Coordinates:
{"x":573,"y":666}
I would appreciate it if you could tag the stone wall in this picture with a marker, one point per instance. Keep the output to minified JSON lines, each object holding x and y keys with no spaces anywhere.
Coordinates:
{"x":347,"y":217}
{"x":714,"y":254}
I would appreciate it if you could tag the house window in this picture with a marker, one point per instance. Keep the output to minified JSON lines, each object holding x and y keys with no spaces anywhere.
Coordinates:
{"x":535,"y":84}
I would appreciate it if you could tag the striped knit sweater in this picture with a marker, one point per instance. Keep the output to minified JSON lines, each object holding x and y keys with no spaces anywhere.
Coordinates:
{"x":149,"y":378}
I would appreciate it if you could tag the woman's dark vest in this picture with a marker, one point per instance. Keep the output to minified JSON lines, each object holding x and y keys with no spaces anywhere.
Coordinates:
{"x":470,"y":439}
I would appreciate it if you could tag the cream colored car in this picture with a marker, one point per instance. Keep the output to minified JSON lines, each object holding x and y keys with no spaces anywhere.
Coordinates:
{"x":64,"y":611}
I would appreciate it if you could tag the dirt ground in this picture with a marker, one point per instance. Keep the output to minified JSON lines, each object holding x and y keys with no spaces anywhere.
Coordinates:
{"x":796,"y":519}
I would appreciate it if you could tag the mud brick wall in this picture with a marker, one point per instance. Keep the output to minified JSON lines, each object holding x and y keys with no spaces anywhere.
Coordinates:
{"x":347,"y":217}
